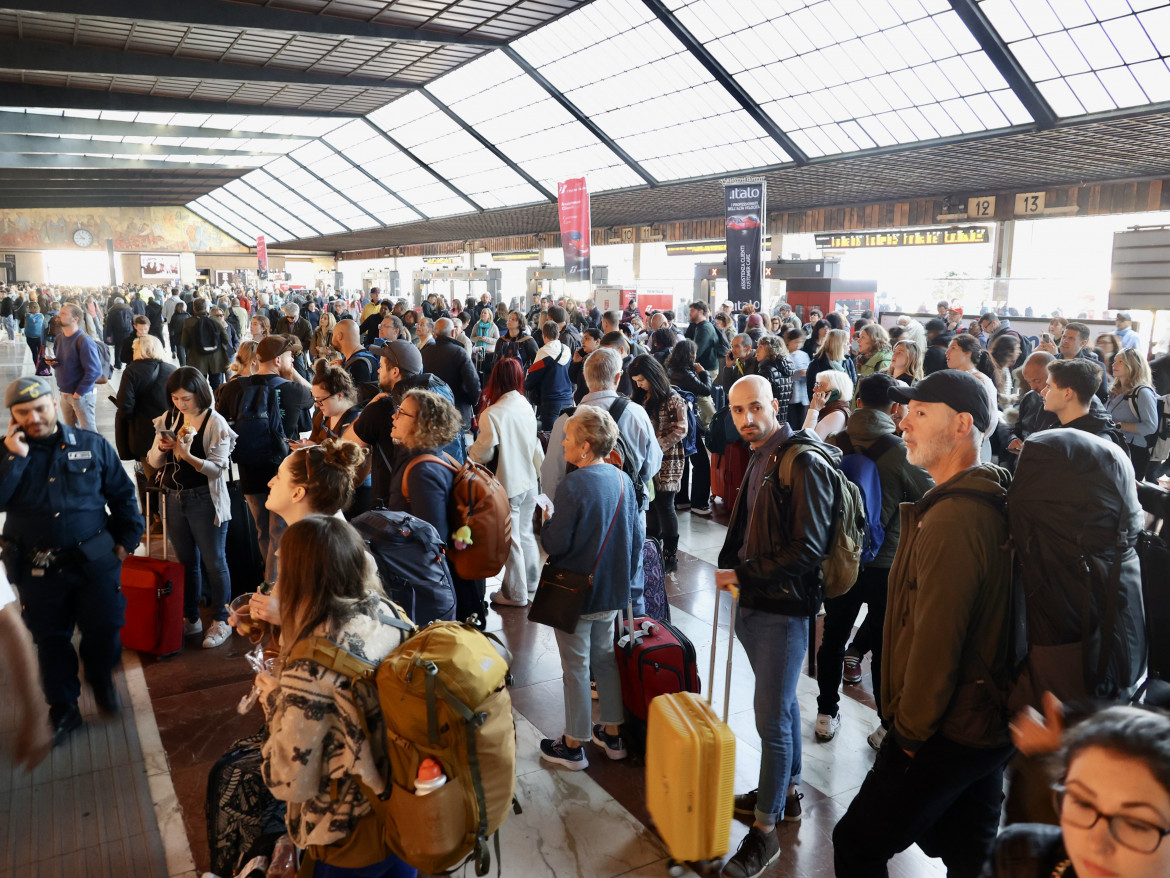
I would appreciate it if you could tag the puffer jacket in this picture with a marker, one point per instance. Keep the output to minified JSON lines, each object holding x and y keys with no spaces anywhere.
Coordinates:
{"x":787,"y":535}
{"x":947,"y":615}
{"x":902,"y":482}
{"x":778,"y":372}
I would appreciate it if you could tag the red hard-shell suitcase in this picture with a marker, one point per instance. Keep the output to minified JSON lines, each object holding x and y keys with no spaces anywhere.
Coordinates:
{"x":659,"y":660}
{"x":153,"y":588}
{"x":727,"y":472}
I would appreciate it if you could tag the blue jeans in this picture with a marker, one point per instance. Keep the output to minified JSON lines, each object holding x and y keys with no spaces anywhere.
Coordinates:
{"x":391,"y":867}
{"x":590,"y":648}
{"x":192,"y":531}
{"x":775,"y":647}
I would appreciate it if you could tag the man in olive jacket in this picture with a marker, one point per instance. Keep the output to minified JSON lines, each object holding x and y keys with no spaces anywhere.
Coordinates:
{"x":938,"y":778}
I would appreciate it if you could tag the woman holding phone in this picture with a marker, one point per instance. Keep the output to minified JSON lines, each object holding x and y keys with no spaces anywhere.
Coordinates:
{"x":192,"y":450}
{"x":828,"y":410}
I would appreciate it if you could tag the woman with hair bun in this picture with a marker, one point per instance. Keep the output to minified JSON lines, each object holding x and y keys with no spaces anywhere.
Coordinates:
{"x":335,"y":399}
{"x":312,"y":480}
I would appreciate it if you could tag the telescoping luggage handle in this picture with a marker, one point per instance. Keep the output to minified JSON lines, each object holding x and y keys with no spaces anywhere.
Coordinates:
{"x":730,"y":650}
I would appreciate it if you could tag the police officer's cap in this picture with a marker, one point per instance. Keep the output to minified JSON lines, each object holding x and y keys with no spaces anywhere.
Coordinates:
{"x":27,"y":389}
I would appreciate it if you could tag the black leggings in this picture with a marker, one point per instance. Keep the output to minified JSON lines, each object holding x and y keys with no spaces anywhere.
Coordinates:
{"x":661,"y":519}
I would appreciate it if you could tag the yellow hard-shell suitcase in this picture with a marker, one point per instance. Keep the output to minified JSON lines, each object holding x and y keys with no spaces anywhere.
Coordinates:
{"x":690,"y":767}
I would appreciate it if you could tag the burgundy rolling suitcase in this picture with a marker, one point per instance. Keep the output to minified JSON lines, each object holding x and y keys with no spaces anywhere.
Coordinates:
{"x":153,"y":588}
{"x":658,"y":660}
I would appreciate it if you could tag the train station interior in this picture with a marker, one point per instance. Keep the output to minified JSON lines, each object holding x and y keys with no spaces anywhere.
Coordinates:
{"x":982,"y":153}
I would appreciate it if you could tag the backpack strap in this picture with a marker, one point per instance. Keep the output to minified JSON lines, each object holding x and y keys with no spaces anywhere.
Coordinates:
{"x":328,"y":654}
{"x":879,"y":447}
{"x":450,"y":463}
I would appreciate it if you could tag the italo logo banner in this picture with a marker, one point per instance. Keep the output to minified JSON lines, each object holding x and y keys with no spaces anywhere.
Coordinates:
{"x":744,"y":210}
{"x":573,"y":207}
{"x":261,"y":253}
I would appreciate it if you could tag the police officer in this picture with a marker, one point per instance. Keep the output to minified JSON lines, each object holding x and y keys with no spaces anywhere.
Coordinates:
{"x":62,"y":549}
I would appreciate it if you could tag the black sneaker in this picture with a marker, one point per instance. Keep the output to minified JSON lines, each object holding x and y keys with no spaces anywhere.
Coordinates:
{"x":65,"y":719}
{"x":756,"y":853}
{"x":745,"y":806}
{"x":107,"y":699}
{"x":613,"y":745}
{"x":560,"y":753}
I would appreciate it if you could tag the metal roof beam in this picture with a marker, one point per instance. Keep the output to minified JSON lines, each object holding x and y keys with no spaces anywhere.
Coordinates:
{"x":488,"y":145}
{"x":594,"y":129}
{"x":20,"y":160}
{"x":71,"y":126}
{"x":34,"y":144}
{"x":89,"y":201}
{"x":299,"y":219}
{"x":376,"y":182}
{"x":215,"y":13}
{"x":64,"y":58}
{"x":335,"y":190}
{"x":1005,"y":62}
{"x":720,"y":75}
{"x":410,"y":155}
{"x":18,"y":94}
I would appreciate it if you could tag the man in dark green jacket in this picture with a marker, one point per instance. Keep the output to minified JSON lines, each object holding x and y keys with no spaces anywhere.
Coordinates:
{"x":703,"y":333}
{"x":938,"y":778}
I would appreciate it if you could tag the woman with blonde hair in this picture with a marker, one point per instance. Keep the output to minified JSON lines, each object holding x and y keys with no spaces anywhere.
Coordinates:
{"x":317,"y":757}
{"x":832,"y":354}
{"x":906,"y":362}
{"x":321,"y":342}
{"x":1133,"y":404}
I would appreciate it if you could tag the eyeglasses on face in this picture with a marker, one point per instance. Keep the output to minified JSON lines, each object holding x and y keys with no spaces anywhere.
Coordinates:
{"x":1129,"y":832}
{"x":320,"y":399}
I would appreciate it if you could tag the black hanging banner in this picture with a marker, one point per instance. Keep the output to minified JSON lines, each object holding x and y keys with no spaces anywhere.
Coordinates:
{"x":745,"y":215}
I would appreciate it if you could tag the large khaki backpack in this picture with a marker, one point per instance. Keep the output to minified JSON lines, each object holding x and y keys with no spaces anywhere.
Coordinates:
{"x":840,"y":568}
{"x":478,"y":502}
{"x":443,"y":695}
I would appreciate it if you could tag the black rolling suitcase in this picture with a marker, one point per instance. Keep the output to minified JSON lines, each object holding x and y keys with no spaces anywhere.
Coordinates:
{"x":240,"y":810}
{"x":1154,"y":555}
{"x":242,"y":548}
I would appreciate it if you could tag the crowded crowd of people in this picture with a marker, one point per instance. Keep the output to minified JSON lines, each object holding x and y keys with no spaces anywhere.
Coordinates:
{"x":316,"y":409}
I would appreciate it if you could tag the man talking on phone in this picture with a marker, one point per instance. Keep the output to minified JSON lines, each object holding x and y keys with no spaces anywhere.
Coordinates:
{"x":71,"y":519}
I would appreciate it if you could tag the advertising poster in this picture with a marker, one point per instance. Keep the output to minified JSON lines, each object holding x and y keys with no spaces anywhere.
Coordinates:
{"x":159,"y":265}
{"x":573,"y":207}
{"x":744,"y":211}
{"x":262,"y":257}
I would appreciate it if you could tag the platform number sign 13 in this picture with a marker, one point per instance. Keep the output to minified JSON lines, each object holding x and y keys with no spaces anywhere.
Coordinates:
{"x":981,"y":208}
{"x":1029,"y":203}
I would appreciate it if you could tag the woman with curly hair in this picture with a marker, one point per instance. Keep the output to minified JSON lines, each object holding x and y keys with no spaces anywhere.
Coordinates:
{"x":423,"y":424}
{"x":775,"y":367}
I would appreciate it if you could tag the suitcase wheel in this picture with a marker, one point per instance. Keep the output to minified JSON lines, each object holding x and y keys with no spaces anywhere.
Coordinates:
{"x":675,"y":869}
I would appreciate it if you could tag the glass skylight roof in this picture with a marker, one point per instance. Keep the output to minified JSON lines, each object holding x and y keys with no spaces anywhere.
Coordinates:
{"x":429,"y":133}
{"x":1089,"y":56}
{"x":215,"y":215}
{"x":846,"y":75}
{"x":498,"y":99}
{"x":621,"y":66}
{"x":275,"y":190}
{"x":249,"y":218}
{"x":407,"y":178}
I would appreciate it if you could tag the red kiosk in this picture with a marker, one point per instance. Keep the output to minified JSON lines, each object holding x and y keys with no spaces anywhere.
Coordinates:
{"x":830,"y":294}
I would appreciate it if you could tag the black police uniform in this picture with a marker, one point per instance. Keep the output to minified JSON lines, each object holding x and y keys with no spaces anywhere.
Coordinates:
{"x":59,"y":552}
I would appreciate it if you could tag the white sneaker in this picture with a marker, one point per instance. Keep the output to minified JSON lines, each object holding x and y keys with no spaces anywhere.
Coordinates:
{"x":217,"y":635}
{"x":500,"y":599}
{"x":876,"y":737}
{"x":192,"y":628}
{"x":827,"y":726}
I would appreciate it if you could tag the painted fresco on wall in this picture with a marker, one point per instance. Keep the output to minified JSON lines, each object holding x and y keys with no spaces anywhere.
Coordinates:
{"x":132,"y":228}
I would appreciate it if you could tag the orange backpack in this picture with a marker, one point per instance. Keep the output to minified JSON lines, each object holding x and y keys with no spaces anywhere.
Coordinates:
{"x":478,"y":502}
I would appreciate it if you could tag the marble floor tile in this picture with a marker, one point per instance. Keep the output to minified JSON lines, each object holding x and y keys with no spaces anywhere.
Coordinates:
{"x":571,"y":826}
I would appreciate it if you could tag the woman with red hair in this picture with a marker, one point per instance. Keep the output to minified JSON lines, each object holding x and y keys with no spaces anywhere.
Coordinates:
{"x":509,"y":446}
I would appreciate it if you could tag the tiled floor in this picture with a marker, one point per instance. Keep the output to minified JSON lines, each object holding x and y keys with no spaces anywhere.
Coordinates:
{"x":592,"y":823}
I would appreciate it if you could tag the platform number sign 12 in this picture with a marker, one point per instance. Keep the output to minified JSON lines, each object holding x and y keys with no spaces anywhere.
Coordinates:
{"x":1029,"y":203}
{"x":981,"y":208}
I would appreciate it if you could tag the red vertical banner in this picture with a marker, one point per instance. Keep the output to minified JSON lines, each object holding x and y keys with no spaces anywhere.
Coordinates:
{"x":261,"y":256}
{"x":573,"y":207}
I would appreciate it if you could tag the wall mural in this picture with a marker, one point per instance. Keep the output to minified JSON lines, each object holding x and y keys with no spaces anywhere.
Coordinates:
{"x":132,"y":228}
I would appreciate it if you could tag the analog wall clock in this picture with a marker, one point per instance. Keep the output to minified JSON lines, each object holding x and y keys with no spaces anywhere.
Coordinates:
{"x":83,"y":237}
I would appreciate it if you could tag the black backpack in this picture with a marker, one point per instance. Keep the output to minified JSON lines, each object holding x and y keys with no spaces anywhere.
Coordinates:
{"x":1075,"y":520}
{"x":209,"y":339}
{"x":409,"y":555}
{"x":259,"y":426}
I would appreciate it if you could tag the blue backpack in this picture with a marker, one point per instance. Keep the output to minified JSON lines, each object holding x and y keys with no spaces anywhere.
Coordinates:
{"x":690,"y":442}
{"x":860,"y":467}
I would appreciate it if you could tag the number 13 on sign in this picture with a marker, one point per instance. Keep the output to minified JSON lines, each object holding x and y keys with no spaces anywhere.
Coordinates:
{"x":1029,"y":203}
